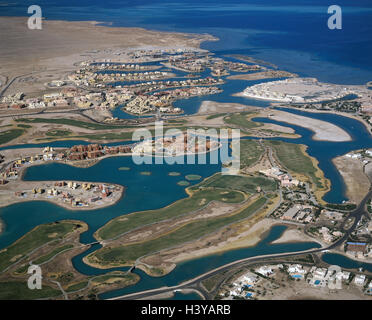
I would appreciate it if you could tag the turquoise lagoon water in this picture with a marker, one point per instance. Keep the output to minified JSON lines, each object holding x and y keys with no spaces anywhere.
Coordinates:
{"x":142,"y":193}
{"x":159,"y":189}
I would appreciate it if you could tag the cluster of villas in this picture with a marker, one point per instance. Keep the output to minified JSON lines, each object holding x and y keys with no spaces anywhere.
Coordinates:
{"x":100,"y":78}
{"x":285,"y":179}
{"x":72,"y":193}
{"x":163,"y":100}
{"x":80,"y":152}
{"x":197,"y":63}
{"x":159,"y":53}
{"x":246,"y":286}
{"x":221,"y":67}
{"x":182,"y":144}
{"x":364,"y":156}
{"x":189,"y":63}
{"x":328,"y":235}
{"x":94,"y":151}
{"x":87,"y":65}
{"x":69,"y":98}
{"x":150,"y":86}
{"x":11,"y":171}
{"x":300,"y":213}
{"x":322,"y":277}
{"x":359,"y":250}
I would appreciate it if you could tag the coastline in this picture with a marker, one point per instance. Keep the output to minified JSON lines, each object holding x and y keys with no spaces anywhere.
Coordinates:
{"x":294,"y":235}
{"x":344,"y":114}
{"x":318,"y":193}
{"x":323,"y":130}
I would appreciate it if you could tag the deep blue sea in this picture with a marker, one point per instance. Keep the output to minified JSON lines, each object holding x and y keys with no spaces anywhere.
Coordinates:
{"x":291,"y":34}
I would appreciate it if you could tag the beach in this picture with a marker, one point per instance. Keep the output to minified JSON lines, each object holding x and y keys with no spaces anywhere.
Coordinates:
{"x":323,"y":131}
{"x":294,"y":235}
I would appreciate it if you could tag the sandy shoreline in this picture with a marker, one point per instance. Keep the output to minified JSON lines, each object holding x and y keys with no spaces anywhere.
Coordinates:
{"x":323,"y":131}
{"x":344,"y":114}
{"x":294,"y":235}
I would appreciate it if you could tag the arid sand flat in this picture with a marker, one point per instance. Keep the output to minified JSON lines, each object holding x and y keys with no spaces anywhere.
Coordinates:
{"x":208,"y":107}
{"x":351,"y":170}
{"x":53,"y":50}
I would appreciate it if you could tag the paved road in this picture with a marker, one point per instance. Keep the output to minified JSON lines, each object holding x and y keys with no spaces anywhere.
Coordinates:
{"x":357,"y":214}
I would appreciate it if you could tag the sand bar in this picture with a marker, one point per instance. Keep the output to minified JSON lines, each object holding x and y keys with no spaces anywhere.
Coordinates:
{"x":323,"y":131}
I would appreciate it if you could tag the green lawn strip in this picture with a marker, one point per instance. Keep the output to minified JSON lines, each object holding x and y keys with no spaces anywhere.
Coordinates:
{"x":94,"y":137}
{"x":240,"y":120}
{"x":214,"y":116}
{"x":77,"y":286}
{"x":106,"y":136}
{"x":177,"y":121}
{"x":193,"y":177}
{"x":191,"y":231}
{"x":212,"y":281}
{"x":124,"y":168}
{"x":17,"y":290}
{"x":247,"y":184}
{"x":24,"y":126}
{"x":125,"y":277}
{"x":8,"y":135}
{"x":75,"y":123}
{"x":37,"y":237}
{"x":183,"y":183}
{"x":125,"y":135}
{"x":57,"y":133}
{"x":23,"y":269}
{"x":291,"y":156}
{"x":52,"y":254}
{"x":174,"y":174}
{"x":131,"y":221}
{"x":250,"y":152}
